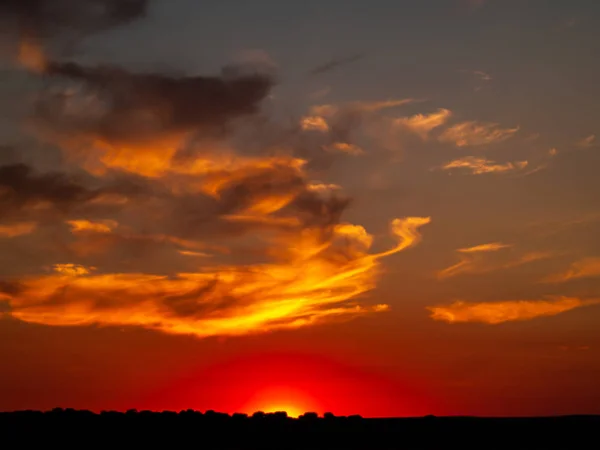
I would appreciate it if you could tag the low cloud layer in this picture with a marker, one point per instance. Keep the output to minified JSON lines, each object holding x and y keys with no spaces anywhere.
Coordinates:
{"x":494,"y":313}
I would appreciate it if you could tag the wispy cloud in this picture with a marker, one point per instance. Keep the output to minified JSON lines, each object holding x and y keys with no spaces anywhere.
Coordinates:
{"x":423,"y":124}
{"x":472,"y":133}
{"x":474,"y":260}
{"x":494,"y":313}
{"x":17,"y":229}
{"x":469,"y":258}
{"x":491,"y":247}
{"x":584,"y":268}
{"x":316,"y":281}
{"x":480,"y":165}
{"x":335,"y":63}
{"x":81,"y":226}
{"x":587,"y":142}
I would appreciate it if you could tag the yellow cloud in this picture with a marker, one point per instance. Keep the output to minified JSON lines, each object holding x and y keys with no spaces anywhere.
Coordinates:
{"x":479,"y":165}
{"x":78,"y":226}
{"x":491,"y":247}
{"x":467,"y":134}
{"x":315,"y":280}
{"x":585,"y":268}
{"x":71,"y":270}
{"x":506,"y":311}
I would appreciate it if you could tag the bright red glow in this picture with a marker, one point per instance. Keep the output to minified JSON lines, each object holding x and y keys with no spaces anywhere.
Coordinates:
{"x":292,"y":383}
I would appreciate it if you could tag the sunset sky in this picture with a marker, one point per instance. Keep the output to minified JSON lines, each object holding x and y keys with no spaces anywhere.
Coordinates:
{"x":384,"y":207}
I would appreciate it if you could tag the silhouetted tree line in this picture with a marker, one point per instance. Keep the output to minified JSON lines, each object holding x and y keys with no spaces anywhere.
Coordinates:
{"x":214,"y":430}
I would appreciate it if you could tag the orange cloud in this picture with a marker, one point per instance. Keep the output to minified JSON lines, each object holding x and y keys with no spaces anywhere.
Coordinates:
{"x":474,"y":260}
{"x":345,"y":147}
{"x":491,"y":247}
{"x":585,"y":268}
{"x":71,"y":270}
{"x":17,"y":229}
{"x":31,"y":55}
{"x":422,"y":124}
{"x":78,"y":226}
{"x":314,"y":123}
{"x":468,"y":134}
{"x":479,"y":165}
{"x":314,"y":280}
{"x":506,"y":311}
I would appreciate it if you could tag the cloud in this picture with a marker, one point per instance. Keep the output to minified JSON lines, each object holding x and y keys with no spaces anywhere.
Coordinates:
{"x":315,"y":280}
{"x":423,"y":124}
{"x":113,"y":106}
{"x":181,"y":204}
{"x":494,"y":313}
{"x":483,"y":76}
{"x":491,"y":247}
{"x":587,"y":142}
{"x":476,"y":260}
{"x":479,"y":165}
{"x":17,"y":229}
{"x":21,"y":187}
{"x":314,"y":123}
{"x":468,"y":134}
{"x":584,"y":268}
{"x":335,"y":63}
{"x":83,"y":226}
{"x":50,"y":25}
{"x":71,"y":270}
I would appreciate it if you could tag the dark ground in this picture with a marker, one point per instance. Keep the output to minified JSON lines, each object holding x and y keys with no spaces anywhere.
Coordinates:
{"x":210,"y":430}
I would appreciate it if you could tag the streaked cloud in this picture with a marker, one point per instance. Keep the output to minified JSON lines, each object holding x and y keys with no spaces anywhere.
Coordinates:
{"x":78,"y":226}
{"x":17,"y":229}
{"x":324,"y":187}
{"x":315,"y":280}
{"x":423,"y":124}
{"x":587,"y":142}
{"x":478,"y":260}
{"x":335,"y":63}
{"x":472,"y":133}
{"x":494,"y":313}
{"x":344,"y":147}
{"x":480,"y":165}
{"x":469,"y":258}
{"x":491,"y":247}
{"x":584,"y":268}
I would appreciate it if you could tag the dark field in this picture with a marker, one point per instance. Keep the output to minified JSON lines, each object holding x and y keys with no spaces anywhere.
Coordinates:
{"x":211,"y":430}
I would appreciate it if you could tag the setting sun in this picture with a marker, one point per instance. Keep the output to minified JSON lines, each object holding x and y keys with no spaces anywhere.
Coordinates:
{"x":277,"y":399}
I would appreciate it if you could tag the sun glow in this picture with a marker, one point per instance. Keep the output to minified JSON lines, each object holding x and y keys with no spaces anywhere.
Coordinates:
{"x":278,"y":399}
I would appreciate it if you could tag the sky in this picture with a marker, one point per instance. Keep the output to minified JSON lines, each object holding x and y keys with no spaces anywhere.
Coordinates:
{"x":385,"y":208}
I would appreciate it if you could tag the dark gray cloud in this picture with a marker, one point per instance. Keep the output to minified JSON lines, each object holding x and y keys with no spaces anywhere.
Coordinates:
{"x":21,"y":186}
{"x":49,"y":19}
{"x":129,"y":106}
{"x":335,"y":63}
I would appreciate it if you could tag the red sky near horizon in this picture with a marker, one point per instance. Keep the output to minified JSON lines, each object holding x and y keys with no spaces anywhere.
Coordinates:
{"x":376,"y":208}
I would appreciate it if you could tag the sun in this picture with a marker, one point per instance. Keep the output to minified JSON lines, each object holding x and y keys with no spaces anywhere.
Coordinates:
{"x":291,"y":410}
{"x":276,"y":399}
